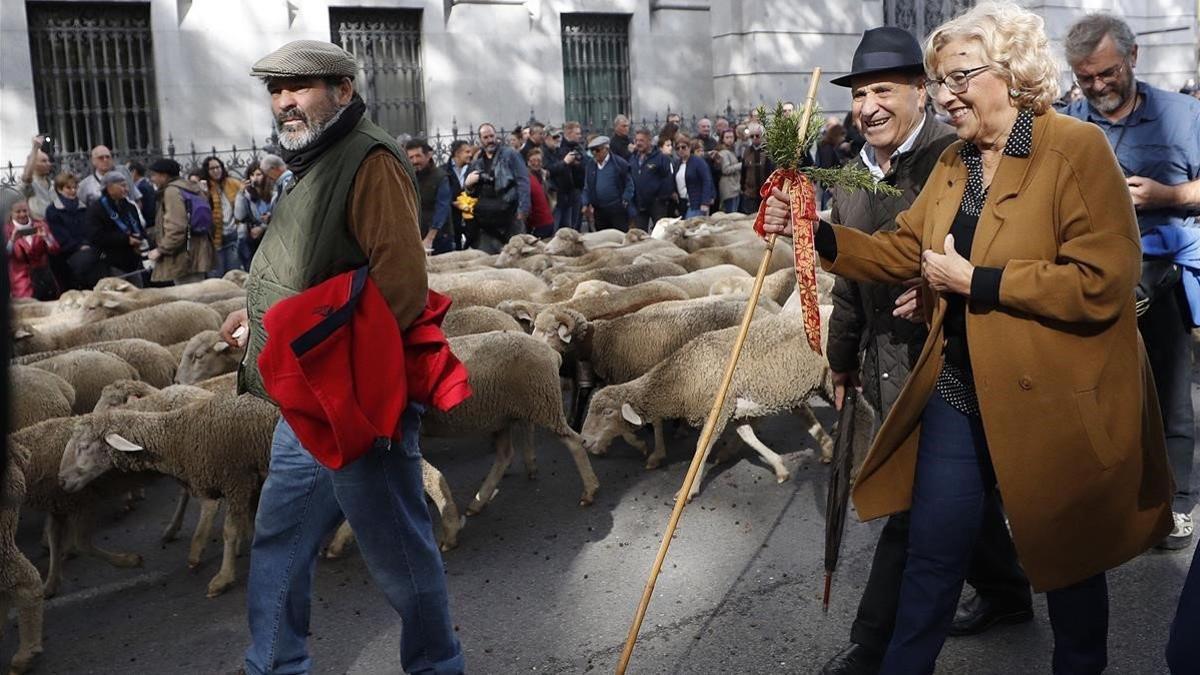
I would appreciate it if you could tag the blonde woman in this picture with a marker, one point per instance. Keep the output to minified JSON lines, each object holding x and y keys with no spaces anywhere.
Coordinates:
{"x":1033,"y":385}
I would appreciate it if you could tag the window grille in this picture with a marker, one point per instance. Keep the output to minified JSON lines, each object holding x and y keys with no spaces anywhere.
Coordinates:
{"x":93,"y":75}
{"x":595,"y":49}
{"x":387,"y":43}
{"x":919,"y":17}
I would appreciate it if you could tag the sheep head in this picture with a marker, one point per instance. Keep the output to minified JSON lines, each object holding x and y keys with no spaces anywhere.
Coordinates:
{"x":560,"y":328}
{"x":71,"y":300}
{"x":121,"y":393}
{"x":732,"y":286}
{"x":88,"y":454}
{"x":519,"y":246}
{"x":207,"y":355}
{"x":666,"y":229}
{"x":634,"y":235}
{"x":609,"y":415}
{"x":566,"y":242}
{"x":236,"y":276}
{"x":523,"y":311}
{"x":592,"y":288}
{"x":102,"y":305}
{"x":27,"y":339}
{"x":115,"y":284}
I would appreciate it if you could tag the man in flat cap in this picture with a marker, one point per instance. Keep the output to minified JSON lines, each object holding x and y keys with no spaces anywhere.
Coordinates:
{"x":607,"y":188}
{"x":876,"y":333}
{"x":353,"y":203}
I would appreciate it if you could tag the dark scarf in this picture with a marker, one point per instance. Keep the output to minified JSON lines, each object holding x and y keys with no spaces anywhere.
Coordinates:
{"x":300,"y":161}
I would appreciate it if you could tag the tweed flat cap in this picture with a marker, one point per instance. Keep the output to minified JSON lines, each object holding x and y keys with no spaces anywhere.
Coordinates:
{"x":597,"y":142}
{"x":306,"y":58}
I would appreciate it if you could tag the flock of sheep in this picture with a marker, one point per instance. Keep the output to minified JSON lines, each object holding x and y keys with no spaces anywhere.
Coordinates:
{"x":588,"y":336}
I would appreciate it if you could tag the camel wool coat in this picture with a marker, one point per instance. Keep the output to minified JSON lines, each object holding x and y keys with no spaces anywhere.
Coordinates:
{"x":1065,"y":391}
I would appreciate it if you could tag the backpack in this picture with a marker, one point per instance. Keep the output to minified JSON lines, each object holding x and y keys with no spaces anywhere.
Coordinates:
{"x":199,"y":212}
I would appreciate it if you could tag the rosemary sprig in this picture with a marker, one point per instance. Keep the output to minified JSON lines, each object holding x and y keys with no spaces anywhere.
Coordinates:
{"x":784,"y":145}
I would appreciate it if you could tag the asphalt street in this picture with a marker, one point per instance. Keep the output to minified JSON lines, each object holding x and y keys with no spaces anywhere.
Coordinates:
{"x":541,"y":585}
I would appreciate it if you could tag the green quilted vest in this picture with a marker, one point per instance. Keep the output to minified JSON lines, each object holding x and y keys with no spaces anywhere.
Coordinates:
{"x":309,"y":240}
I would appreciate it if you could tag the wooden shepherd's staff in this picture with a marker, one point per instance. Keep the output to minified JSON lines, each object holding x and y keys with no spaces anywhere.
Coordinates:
{"x":711,"y":422}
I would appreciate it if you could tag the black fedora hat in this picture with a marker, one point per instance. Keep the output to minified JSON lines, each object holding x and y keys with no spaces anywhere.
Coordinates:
{"x":881,"y":50}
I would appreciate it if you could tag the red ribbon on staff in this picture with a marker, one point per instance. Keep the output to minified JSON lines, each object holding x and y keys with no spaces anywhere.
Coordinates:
{"x":804,"y":220}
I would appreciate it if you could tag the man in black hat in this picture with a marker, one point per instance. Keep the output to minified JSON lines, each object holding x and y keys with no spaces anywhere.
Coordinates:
{"x":878,"y":330}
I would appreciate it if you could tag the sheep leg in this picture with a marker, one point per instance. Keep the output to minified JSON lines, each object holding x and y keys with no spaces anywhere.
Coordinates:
{"x":504,"y":454}
{"x":55,"y":527}
{"x":176,"y":523}
{"x":439,"y":491}
{"x":208,"y":514}
{"x":768,"y":455}
{"x":81,"y":538}
{"x":637,"y":443}
{"x":656,"y":458}
{"x":341,"y":539}
{"x":528,"y":455}
{"x":235,"y":523}
{"x":25,"y":592}
{"x":822,"y":437}
{"x":717,"y":431}
{"x":574,"y":445}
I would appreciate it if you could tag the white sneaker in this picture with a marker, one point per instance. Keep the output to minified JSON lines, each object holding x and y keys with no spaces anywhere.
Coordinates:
{"x":1181,"y":532}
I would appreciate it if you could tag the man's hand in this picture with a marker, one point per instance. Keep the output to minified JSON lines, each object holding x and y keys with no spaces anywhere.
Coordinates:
{"x":428,"y":240}
{"x":521,"y":217}
{"x":779,"y":214}
{"x":1148,"y":193}
{"x":704,"y":209}
{"x":908,"y":305}
{"x":589,"y":213}
{"x":472,"y":178}
{"x":236,"y":328}
{"x":569,"y":159}
{"x":37,"y":141}
{"x":949,"y":272}
{"x":840,"y":382}
{"x":154,"y":254}
{"x":256,"y":232}
{"x":135,"y":242}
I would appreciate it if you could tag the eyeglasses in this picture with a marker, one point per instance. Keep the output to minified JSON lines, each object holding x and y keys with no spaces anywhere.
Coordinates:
{"x":1109,"y":75}
{"x":955,"y":81}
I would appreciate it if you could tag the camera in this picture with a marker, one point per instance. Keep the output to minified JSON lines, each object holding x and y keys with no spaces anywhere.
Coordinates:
{"x":47,"y":145}
{"x":25,"y":230}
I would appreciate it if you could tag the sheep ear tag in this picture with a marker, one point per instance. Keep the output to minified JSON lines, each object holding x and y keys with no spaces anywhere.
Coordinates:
{"x":563,"y":333}
{"x":220,"y":346}
{"x":111,"y":304}
{"x":631,"y":415}
{"x":119,"y":442}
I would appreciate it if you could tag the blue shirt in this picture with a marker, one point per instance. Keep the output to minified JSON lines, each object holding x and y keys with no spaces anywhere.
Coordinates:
{"x":1159,"y":140}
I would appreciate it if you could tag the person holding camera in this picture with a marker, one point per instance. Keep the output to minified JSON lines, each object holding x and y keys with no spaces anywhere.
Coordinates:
{"x":252,"y":211}
{"x":500,"y":180}
{"x":29,"y":245}
{"x":36,"y":178}
{"x":567,"y":170}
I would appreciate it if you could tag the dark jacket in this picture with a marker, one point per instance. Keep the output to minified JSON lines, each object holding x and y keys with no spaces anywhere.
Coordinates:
{"x":652,"y":178}
{"x":756,"y":167}
{"x":567,"y":177}
{"x":698,"y":178}
{"x":862,"y":321}
{"x":106,"y":235}
{"x":619,"y":146}
{"x":68,"y":224}
{"x":624,"y":178}
{"x":456,"y":189}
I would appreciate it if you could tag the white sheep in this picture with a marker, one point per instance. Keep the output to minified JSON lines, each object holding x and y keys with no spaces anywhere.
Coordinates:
{"x":227,"y":460}
{"x":746,"y":255}
{"x":617,"y":303}
{"x":37,"y":395}
{"x":563,"y":284}
{"x":20,"y":584}
{"x":207,"y":290}
{"x":473,"y":320}
{"x":205,"y":356}
{"x":88,"y":372}
{"x":487,"y":293}
{"x":515,"y":380}
{"x":228,"y":305}
{"x":221,"y":384}
{"x":777,"y":373}
{"x":236,"y":277}
{"x":692,"y":237}
{"x":696,"y":284}
{"x":569,"y":242}
{"x":154,"y":362}
{"x":164,"y":324}
{"x":531,"y":285}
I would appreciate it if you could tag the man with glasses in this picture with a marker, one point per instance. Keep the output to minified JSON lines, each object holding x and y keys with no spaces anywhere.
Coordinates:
{"x":1155,"y":135}
{"x":879,"y":329}
{"x":102,"y":162}
{"x":756,"y":166}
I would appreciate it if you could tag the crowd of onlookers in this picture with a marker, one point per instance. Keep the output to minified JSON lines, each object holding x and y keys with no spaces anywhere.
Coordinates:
{"x":68,"y":231}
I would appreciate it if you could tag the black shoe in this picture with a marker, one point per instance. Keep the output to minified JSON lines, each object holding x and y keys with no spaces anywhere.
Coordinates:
{"x":853,"y":660}
{"x":975,"y":615}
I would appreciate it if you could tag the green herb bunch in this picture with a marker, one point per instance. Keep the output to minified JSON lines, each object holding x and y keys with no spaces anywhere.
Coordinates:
{"x":785,"y":144}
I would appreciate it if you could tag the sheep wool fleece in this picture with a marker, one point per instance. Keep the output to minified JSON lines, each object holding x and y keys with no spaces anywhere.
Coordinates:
{"x":309,"y":240}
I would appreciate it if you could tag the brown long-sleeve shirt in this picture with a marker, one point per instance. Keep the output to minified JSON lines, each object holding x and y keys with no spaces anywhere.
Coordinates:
{"x":383,"y":213}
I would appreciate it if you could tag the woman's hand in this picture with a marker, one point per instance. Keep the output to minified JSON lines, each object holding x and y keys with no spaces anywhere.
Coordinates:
{"x":948,"y":272}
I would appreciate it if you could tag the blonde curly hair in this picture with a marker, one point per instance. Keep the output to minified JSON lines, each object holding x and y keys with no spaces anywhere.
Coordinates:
{"x":1014,"y":43}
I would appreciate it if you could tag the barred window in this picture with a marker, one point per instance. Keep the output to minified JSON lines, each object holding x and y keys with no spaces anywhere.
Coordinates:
{"x":920,"y":17}
{"x":595,"y":50}
{"x":93,"y":75}
{"x":387,"y":43}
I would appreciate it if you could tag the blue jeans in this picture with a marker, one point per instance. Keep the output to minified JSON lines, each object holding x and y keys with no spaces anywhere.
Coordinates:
{"x":568,"y":212}
{"x":730,"y":205}
{"x":693,"y":213}
{"x":382,"y":496}
{"x":954,"y":494}
{"x":226,"y":258}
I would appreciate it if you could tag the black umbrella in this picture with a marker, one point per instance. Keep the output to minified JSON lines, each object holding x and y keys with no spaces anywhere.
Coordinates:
{"x":838,"y":497}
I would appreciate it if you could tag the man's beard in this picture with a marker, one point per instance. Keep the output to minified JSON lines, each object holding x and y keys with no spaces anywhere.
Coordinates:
{"x":295,"y":141}
{"x":1115,"y":97}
